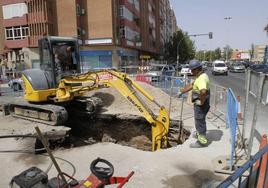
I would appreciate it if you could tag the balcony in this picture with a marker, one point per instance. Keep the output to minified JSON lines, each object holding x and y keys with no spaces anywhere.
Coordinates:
{"x":9,"y":2}
{"x":20,"y":43}
{"x":38,"y":17}
{"x":130,"y":24}
{"x":17,"y":21}
{"x":130,"y":7}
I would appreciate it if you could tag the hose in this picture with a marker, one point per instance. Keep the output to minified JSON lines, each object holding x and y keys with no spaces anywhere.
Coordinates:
{"x":33,"y":152}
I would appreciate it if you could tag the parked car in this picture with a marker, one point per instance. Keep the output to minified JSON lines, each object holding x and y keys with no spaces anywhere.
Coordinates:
{"x":260,"y":68}
{"x":16,"y":84}
{"x":247,"y":64}
{"x":209,"y":64}
{"x":185,"y":70}
{"x":177,"y":67}
{"x":158,"y":71}
{"x":204,"y":65}
{"x":219,"y":67}
{"x":237,"y":67}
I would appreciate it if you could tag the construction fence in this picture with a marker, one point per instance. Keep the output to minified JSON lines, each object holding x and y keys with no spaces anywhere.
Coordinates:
{"x":231,"y":116}
{"x":11,"y":84}
{"x":256,"y":87}
{"x":254,"y":173}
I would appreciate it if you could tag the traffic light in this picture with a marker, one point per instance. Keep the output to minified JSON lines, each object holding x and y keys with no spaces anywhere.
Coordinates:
{"x":210,"y":35}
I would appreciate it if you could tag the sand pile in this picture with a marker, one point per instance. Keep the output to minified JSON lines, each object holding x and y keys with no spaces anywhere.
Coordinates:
{"x":116,"y":104}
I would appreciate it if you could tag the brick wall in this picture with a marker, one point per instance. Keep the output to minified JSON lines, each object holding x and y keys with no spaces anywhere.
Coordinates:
{"x":66,"y":18}
{"x":100,"y":19}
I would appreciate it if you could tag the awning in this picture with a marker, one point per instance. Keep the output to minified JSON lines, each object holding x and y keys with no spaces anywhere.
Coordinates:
{"x":96,"y":53}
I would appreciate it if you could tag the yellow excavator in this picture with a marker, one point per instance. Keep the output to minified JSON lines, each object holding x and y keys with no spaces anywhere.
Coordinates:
{"x":51,"y":89}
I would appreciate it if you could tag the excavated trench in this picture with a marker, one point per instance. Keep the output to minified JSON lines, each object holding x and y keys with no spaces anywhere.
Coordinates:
{"x":130,"y":131}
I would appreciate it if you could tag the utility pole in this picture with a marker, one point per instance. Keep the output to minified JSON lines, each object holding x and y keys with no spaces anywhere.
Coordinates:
{"x":227,"y":47}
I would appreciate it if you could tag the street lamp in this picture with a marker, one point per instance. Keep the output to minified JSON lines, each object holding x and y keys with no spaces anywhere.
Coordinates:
{"x":227,"y":47}
{"x":178,"y":50}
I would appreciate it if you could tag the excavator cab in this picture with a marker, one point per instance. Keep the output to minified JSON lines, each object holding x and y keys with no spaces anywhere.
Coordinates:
{"x":59,"y":57}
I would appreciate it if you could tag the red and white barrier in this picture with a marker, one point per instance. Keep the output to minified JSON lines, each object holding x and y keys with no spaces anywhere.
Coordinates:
{"x":143,"y":78}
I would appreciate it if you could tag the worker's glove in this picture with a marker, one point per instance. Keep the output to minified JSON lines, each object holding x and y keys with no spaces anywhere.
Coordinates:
{"x":197,"y":102}
{"x":179,"y":94}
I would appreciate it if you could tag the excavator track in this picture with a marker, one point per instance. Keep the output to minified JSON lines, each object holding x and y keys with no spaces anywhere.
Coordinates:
{"x":43,"y":113}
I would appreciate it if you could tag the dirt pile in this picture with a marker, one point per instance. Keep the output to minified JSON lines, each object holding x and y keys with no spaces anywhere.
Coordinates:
{"x":115,"y":103}
{"x":119,"y":121}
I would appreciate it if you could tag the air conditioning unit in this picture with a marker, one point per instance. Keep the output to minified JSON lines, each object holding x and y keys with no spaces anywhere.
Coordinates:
{"x":83,"y":11}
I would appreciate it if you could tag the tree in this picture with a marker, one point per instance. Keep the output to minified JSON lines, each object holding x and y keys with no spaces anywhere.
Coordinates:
{"x":252,"y":51}
{"x":217,"y":53}
{"x":266,"y":29}
{"x":227,"y":51}
{"x":186,"y":50}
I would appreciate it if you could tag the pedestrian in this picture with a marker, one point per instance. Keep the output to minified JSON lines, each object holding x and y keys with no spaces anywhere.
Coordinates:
{"x":200,"y":98}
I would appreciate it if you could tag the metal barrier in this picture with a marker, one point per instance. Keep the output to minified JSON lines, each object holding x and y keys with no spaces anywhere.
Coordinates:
{"x":231,"y":116}
{"x":218,"y":101}
{"x":169,"y":84}
{"x":240,"y":178}
{"x":11,"y":85}
{"x":256,"y":86}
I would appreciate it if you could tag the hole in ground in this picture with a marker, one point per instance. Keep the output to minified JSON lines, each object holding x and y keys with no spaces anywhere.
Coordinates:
{"x":134,"y":132}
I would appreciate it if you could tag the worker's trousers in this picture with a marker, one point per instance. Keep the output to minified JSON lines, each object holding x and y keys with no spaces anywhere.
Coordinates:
{"x":200,"y":113}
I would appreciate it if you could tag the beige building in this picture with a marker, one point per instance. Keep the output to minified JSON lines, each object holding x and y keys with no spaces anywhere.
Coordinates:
{"x":259,"y":51}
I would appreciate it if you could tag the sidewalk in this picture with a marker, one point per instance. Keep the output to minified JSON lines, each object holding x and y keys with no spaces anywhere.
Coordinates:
{"x":180,"y":166}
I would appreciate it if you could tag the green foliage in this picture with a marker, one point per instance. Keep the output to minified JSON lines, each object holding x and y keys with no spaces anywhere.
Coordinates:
{"x":209,"y":55}
{"x":252,"y":49}
{"x":217,"y":53}
{"x":227,"y":51}
{"x":186,"y":50}
{"x":266,"y":29}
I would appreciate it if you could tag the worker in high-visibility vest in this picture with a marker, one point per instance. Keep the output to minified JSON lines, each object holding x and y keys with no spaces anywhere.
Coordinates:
{"x":200,"y":98}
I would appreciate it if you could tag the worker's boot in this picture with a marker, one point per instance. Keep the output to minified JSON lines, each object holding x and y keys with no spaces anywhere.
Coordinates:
{"x":201,"y":141}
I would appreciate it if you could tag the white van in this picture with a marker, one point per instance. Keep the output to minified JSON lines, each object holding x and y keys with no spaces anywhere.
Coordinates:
{"x":219,"y":67}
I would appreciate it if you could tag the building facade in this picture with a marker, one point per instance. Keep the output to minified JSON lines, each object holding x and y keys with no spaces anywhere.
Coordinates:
{"x":111,"y":33}
{"x":259,"y":53}
{"x":240,"y":55}
{"x":168,"y":22}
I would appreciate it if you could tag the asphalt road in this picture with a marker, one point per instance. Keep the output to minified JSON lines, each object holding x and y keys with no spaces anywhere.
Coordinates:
{"x":236,"y":81}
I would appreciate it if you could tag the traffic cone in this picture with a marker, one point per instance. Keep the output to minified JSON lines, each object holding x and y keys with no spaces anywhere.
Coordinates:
{"x":262,"y":166}
{"x":239,"y":113}
{"x":262,"y":145}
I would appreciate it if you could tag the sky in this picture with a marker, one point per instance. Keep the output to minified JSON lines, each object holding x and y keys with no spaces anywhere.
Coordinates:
{"x":246,"y":26}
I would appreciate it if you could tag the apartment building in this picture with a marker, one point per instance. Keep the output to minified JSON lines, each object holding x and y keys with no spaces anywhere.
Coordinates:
{"x":168,"y":22}
{"x":111,"y":33}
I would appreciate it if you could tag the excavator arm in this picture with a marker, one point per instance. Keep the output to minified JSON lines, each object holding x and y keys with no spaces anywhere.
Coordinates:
{"x":76,"y":85}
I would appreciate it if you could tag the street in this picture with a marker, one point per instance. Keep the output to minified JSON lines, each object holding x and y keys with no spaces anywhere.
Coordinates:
{"x":236,"y":81}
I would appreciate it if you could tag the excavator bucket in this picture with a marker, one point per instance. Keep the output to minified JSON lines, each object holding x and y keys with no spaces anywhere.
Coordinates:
{"x":160,"y":130}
